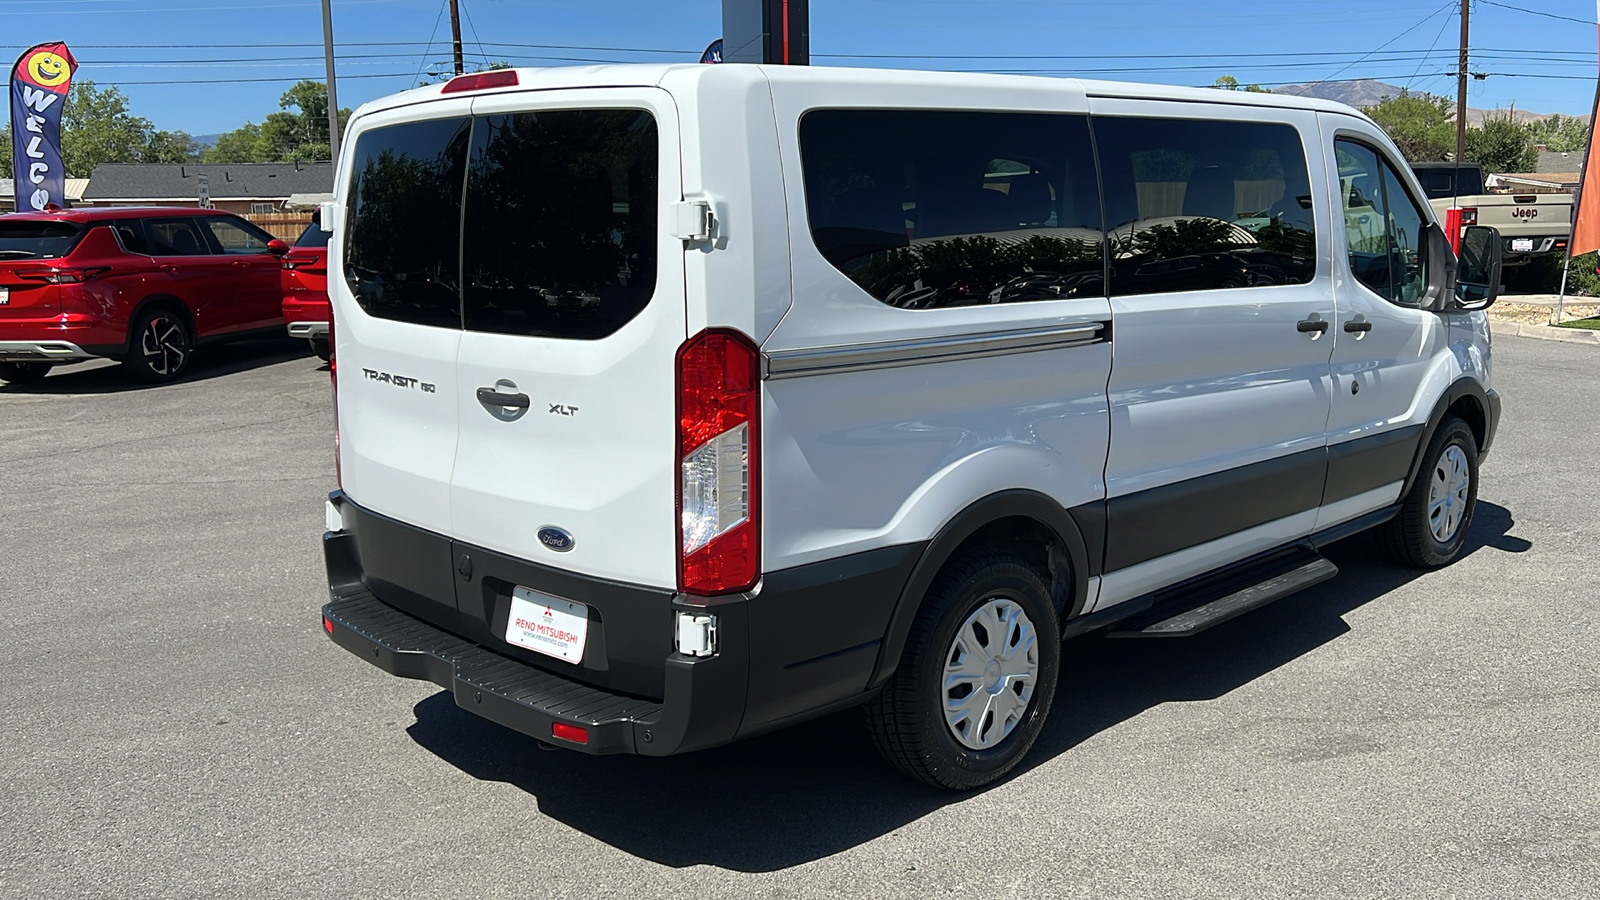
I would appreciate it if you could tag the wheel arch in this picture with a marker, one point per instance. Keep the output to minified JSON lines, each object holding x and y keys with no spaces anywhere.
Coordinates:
{"x":1465,"y":399}
{"x":1013,"y":518}
{"x":162,"y":301}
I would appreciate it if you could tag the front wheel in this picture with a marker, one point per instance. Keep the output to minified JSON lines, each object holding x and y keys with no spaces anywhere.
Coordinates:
{"x":975,"y":683}
{"x":1431,"y":526}
{"x":23,"y":372}
{"x":160,"y":348}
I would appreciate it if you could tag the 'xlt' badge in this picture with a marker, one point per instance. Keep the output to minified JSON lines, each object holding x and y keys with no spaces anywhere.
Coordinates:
{"x":556,"y":539}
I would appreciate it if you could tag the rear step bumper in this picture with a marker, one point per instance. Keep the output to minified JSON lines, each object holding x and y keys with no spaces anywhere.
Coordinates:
{"x":506,"y":690}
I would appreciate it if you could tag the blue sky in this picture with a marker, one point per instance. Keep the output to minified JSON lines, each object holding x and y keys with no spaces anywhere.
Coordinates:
{"x":383,"y":44}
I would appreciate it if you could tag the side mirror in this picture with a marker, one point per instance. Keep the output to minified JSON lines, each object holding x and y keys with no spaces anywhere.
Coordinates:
{"x":277,"y":247}
{"x":1478,"y":272}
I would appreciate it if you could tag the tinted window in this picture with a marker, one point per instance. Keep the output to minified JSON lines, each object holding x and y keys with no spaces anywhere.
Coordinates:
{"x":561,"y":222}
{"x":235,"y":239}
{"x":1197,"y":205}
{"x":130,"y":234}
{"x":403,"y":241}
{"x":1443,"y":182}
{"x":313,"y":236}
{"x":26,"y":239}
{"x":1384,"y":229}
{"x":175,"y":237}
{"x":926,"y":210}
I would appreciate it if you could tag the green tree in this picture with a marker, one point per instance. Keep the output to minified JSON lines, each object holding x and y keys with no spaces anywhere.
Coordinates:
{"x":170,"y":147}
{"x":1502,"y":144}
{"x":1230,"y":83}
{"x":298,"y":131}
{"x":1422,"y":126}
{"x":98,"y":127}
{"x":1563,"y":134}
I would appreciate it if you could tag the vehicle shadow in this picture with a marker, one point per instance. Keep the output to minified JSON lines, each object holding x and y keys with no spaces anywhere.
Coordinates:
{"x":817,"y":789}
{"x":215,"y":361}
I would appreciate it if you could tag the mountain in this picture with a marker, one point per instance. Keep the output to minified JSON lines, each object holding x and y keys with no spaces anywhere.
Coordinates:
{"x":206,"y":141}
{"x":1367,"y":92}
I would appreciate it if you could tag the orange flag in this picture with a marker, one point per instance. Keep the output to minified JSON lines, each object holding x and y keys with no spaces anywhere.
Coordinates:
{"x":1586,"y":227}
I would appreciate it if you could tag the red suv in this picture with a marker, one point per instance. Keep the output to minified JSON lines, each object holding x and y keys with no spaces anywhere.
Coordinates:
{"x":145,"y":286}
{"x":305,"y":289}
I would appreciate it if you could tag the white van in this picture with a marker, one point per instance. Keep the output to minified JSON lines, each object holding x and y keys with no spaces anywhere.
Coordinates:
{"x":677,"y":404}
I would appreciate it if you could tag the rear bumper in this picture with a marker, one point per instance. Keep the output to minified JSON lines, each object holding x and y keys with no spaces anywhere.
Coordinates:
{"x":803,"y":644}
{"x":43,"y":351}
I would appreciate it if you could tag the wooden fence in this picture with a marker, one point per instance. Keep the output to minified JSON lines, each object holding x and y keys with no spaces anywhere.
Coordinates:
{"x":282,"y":225}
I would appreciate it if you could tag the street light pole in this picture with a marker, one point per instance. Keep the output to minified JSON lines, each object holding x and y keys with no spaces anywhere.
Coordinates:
{"x":333,"y":94}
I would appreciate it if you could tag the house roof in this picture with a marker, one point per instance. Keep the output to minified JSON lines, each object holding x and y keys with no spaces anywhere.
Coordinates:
{"x":1555,"y":161}
{"x":75,"y":188}
{"x":237,"y":181}
{"x":1556,"y":180}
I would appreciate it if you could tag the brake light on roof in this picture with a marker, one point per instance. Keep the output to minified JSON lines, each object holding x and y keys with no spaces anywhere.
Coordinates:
{"x":719,"y":398}
{"x":479,"y":81}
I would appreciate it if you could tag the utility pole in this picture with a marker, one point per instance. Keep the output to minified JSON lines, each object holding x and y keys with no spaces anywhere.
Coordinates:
{"x":1461,"y":89}
{"x":455,"y":37}
{"x":333,"y":94}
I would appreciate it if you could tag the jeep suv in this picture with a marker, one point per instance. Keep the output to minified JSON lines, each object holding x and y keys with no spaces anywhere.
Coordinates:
{"x":142,"y":285}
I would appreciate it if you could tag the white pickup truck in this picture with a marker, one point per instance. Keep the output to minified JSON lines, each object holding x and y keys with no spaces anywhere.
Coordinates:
{"x":1532,"y":225}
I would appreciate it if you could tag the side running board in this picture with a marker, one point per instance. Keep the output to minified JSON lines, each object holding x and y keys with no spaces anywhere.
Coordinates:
{"x":1184,"y":610}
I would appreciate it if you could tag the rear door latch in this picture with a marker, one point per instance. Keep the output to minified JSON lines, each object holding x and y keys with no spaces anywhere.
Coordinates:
{"x":693,"y":220}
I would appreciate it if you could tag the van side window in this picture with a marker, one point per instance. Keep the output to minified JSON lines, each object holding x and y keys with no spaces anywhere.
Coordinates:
{"x":404,"y":239}
{"x":1196,"y":205}
{"x":1384,"y":228}
{"x":933,"y":209}
{"x":561,"y":222}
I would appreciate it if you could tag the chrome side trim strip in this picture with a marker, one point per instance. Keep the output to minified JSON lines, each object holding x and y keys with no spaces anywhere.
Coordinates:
{"x":888,"y":354}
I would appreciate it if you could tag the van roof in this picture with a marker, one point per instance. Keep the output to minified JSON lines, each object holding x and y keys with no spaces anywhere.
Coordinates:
{"x":649,"y":75}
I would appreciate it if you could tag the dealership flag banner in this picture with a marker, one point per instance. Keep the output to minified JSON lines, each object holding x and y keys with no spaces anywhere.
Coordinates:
{"x":39,"y":83}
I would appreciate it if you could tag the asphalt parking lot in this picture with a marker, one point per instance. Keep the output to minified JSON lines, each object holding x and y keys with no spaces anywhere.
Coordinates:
{"x":176,"y":724}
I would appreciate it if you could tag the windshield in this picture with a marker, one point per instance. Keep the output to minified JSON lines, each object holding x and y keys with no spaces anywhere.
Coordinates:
{"x":38,"y":239}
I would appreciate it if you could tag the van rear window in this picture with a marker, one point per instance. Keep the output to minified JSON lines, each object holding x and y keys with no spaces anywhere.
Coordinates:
{"x":402,"y":258}
{"x":561,"y":222}
{"x":37,"y":239}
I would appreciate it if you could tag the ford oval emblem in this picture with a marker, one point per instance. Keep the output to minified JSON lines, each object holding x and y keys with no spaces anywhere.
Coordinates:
{"x":556,"y":539}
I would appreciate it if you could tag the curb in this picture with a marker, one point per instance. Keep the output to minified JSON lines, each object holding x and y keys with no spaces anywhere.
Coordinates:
{"x":1545,"y":332}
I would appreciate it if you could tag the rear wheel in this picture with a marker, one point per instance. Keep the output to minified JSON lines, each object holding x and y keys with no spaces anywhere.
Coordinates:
{"x":1436,"y":513}
{"x":319,"y":346}
{"x":23,"y":372}
{"x":975,"y":683}
{"x":160,"y":348}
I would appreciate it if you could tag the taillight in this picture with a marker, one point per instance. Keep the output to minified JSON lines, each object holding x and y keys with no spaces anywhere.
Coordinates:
{"x":303,"y":262}
{"x":719,"y":401}
{"x":1469,"y":215}
{"x":61,"y":276}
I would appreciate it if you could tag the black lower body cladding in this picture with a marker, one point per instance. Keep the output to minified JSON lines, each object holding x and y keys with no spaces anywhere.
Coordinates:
{"x":419,"y":605}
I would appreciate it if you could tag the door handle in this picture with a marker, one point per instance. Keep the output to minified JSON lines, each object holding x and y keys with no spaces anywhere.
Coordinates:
{"x":492,"y":397}
{"x":170,"y":270}
{"x":1357,"y":327}
{"x":1308,"y":326}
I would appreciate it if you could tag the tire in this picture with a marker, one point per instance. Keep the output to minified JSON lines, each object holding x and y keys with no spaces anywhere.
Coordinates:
{"x":1436,"y":514}
{"x":23,"y":372}
{"x":921,"y":726}
{"x":319,"y":346}
{"x":159,"y":347}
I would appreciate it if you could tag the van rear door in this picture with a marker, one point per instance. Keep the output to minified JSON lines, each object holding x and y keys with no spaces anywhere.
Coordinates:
{"x":397,"y":309}
{"x":573,"y":305}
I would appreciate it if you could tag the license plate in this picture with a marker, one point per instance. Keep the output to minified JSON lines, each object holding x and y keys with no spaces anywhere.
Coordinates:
{"x":1522,"y":245}
{"x":548,"y":625}
{"x":5,"y":296}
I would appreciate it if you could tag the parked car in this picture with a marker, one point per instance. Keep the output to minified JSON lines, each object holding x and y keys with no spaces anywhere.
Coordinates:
{"x":142,"y":285}
{"x":742,"y":488}
{"x":1531,"y":224}
{"x":305,"y":288}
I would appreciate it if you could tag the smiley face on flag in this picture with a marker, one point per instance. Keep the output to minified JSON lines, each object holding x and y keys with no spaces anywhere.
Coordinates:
{"x":48,"y":66}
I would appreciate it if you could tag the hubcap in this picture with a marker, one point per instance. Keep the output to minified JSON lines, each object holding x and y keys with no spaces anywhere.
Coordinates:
{"x":989,"y":673}
{"x":164,"y":346}
{"x":1447,"y":494}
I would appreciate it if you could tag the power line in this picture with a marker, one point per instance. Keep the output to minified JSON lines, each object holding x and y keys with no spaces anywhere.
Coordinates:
{"x":1535,"y":12}
{"x":1448,"y":4}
